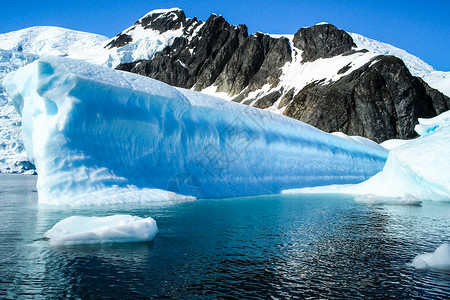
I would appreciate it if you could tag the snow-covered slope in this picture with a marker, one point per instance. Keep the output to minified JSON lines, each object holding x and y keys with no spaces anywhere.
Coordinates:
{"x":143,"y":39}
{"x":438,"y":80}
{"x":416,"y":66}
{"x":48,"y":40}
{"x":94,"y":131}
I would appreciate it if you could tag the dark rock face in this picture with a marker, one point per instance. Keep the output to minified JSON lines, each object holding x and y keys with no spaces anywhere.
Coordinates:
{"x":219,"y":54}
{"x":441,"y":102}
{"x":286,"y":98}
{"x":322,"y":41}
{"x":268,"y":100}
{"x":379,"y":101}
{"x":196,"y":62}
{"x":257,"y":61}
{"x":120,"y":41}
{"x":164,"y":21}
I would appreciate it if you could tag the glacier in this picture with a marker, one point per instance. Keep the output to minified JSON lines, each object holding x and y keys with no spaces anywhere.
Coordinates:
{"x":13,"y":157}
{"x":78,"y":230}
{"x":415,"y":170}
{"x":97,"y":135}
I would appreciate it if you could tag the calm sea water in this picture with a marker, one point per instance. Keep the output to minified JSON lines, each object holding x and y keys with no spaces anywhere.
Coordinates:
{"x":318,"y":246}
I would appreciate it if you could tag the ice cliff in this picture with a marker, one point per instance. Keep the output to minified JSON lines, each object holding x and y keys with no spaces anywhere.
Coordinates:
{"x":97,"y":135}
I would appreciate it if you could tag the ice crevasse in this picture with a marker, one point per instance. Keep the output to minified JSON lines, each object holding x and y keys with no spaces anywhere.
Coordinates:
{"x":98,"y":135}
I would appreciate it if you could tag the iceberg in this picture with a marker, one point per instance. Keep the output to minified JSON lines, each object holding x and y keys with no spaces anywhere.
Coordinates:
{"x":415,"y":170}
{"x":427,"y":126}
{"x":97,"y":135}
{"x":77,"y":230}
{"x":437,"y":260}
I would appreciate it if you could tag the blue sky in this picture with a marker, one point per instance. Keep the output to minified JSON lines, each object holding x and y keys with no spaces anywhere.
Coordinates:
{"x":419,"y":27}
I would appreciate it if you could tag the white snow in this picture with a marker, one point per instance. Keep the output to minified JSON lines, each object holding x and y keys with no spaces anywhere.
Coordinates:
{"x":416,"y":66}
{"x":146,"y":42}
{"x":93,"y":131}
{"x":161,"y":11}
{"x":49,"y":40}
{"x":393,"y":143}
{"x":419,"y":168}
{"x":437,"y":260}
{"x":427,"y":126}
{"x":78,"y":230}
{"x":298,"y":75}
{"x":438,"y":80}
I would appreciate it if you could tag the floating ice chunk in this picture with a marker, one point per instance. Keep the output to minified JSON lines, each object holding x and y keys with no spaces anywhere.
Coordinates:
{"x":426,"y":126}
{"x":374,"y":199}
{"x":438,"y":260}
{"x":78,"y":230}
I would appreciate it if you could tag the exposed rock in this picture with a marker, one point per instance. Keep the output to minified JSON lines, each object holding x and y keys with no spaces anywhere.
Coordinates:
{"x":277,"y":55}
{"x":344,"y":69}
{"x":164,"y":21}
{"x":215,"y":45}
{"x":268,"y":100}
{"x":120,"y":41}
{"x":286,"y":98}
{"x":441,"y":102}
{"x":380,"y":101}
{"x":322,"y":41}
{"x":257,"y":61}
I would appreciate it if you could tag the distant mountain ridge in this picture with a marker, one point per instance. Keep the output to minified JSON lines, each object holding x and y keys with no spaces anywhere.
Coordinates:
{"x":331,"y":79}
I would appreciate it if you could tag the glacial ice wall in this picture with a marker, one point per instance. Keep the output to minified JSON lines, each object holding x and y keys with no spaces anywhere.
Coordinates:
{"x":109,"y":136}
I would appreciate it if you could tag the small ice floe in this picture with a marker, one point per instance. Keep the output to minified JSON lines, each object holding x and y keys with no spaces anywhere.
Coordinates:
{"x":437,"y":260}
{"x":77,"y":230}
{"x":374,"y":199}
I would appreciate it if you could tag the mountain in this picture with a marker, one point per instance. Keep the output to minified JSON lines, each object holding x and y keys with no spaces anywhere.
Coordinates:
{"x":334,"y":80}
{"x":319,"y":75}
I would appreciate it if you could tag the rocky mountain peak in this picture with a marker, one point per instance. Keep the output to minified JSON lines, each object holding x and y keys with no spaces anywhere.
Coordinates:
{"x":163,"y":20}
{"x":322,"y":41}
{"x":160,"y":21}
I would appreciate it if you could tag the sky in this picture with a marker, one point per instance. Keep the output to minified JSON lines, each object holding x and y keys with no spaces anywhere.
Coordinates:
{"x":421,"y":27}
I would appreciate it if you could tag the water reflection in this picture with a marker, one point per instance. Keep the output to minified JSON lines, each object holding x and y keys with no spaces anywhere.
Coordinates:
{"x":281,"y":246}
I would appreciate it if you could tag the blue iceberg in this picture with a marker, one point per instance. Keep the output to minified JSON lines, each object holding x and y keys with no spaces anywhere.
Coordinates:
{"x":98,"y":135}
